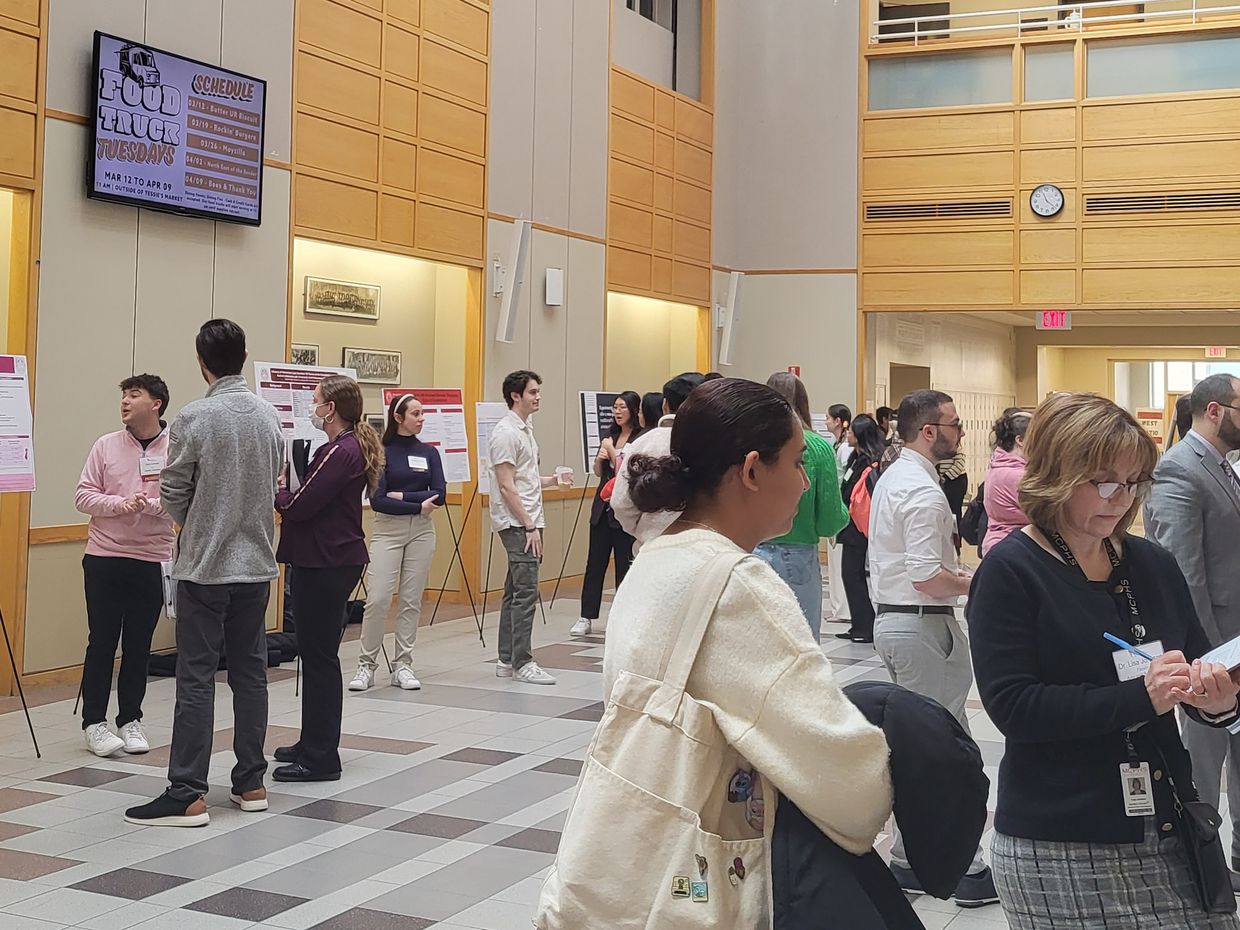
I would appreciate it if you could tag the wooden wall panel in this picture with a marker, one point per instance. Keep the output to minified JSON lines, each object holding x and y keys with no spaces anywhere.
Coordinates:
{"x":391,"y":115}
{"x":1156,"y":244}
{"x":937,"y":172}
{"x":933,"y":249}
{"x":1048,"y":288}
{"x":659,"y":192}
{"x":1048,"y":126}
{"x":1177,"y":161}
{"x":1152,"y":287}
{"x":938,"y":131}
{"x":1047,"y":246}
{"x":19,"y":85}
{"x":17,"y":143}
{"x":958,"y":288}
{"x":1210,"y":116}
{"x":1038,"y":166}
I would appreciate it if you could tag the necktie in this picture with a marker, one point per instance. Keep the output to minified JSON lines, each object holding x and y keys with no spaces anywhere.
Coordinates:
{"x":1233,"y":481}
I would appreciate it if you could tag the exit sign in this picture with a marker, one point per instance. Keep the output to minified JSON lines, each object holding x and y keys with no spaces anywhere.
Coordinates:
{"x":1054,"y":319}
{"x":795,"y":369}
{"x":1216,"y":351}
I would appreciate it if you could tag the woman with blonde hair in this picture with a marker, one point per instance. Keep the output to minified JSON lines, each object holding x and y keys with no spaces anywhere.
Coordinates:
{"x":321,"y":537}
{"x":410,"y":489}
{"x":1096,"y":790}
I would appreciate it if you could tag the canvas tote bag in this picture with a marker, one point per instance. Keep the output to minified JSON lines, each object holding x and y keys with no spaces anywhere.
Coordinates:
{"x":652,"y":812}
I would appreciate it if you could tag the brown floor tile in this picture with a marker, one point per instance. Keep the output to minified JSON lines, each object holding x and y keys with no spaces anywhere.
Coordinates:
{"x":13,"y":798}
{"x":396,"y":747}
{"x":246,"y":904}
{"x":134,"y":884}
{"x":23,"y":866}
{"x":565,"y":656}
{"x":361,"y":918}
{"x":223,"y":739}
{"x":334,"y":811}
{"x":11,"y":831}
{"x":547,"y":841}
{"x":85,"y":778}
{"x":591,"y":712}
{"x":481,"y":756}
{"x":448,"y":828}
{"x":562,"y":767}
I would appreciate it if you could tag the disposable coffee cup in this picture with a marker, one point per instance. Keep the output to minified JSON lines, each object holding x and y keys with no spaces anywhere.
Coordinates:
{"x":564,"y":476}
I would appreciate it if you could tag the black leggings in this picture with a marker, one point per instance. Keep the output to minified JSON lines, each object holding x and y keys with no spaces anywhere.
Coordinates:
{"x":857,"y":588}
{"x":604,"y":539}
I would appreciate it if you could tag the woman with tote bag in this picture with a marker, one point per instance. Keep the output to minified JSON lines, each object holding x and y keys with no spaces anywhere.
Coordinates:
{"x":718,"y":698}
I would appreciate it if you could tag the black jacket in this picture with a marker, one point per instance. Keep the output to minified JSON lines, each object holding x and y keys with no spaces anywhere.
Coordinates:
{"x":940,"y":805}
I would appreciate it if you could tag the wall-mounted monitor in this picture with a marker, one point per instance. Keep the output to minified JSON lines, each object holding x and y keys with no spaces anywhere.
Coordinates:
{"x":170,"y":133}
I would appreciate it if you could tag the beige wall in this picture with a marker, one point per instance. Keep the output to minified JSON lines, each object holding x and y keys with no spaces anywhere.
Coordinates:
{"x":641,"y":46}
{"x":648,"y":342}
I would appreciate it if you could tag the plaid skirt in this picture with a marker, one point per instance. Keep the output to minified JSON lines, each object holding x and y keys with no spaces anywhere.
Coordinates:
{"x":1099,"y":886}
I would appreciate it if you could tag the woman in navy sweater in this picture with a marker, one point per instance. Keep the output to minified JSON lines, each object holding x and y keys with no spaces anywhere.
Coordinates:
{"x":410,"y":490}
{"x":321,"y":537}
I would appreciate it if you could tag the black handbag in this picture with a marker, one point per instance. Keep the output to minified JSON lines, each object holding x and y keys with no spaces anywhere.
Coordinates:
{"x":1199,"y":823}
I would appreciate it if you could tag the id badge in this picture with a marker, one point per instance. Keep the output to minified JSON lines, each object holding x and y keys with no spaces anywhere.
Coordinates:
{"x":1138,"y":789}
{"x":1129,"y":665}
{"x":149,"y":466}
{"x":418,"y":462}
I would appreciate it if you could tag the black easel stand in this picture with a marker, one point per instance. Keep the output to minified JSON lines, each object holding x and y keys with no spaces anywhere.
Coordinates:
{"x":18,"y":679}
{"x":569,"y":548}
{"x":456,"y":557}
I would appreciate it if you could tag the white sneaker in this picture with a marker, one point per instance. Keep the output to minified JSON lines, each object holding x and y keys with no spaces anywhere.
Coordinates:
{"x":531,"y":674}
{"x":102,"y":741}
{"x":134,"y":739}
{"x":581,"y":628}
{"x":503,"y":669}
{"x":364,"y":678}
{"x":404,"y":679}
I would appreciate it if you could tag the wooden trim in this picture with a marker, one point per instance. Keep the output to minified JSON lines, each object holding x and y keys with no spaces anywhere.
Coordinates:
{"x":470,"y":531}
{"x":320,"y":235}
{"x":273,"y":163}
{"x":67,"y":117}
{"x":772,"y":271}
{"x":706,"y":54}
{"x":69,"y":532}
{"x":544,"y":227}
{"x":704,"y":332}
{"x":15,"y":182}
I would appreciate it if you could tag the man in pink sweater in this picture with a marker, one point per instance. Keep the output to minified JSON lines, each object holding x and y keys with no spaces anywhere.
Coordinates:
{"x":129,"y":536}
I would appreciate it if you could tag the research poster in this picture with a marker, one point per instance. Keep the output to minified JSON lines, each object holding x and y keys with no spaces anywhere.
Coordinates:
{"x":597,"y":418}
{"x":290,"y":389}
{"x":486,"y":415}
{"x":443,"y":427}
{"x":819,"y":421}
{"x":16,"y":426}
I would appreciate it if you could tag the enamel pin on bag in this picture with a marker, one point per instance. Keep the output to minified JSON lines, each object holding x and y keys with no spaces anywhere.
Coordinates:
{"x":652,"y":838}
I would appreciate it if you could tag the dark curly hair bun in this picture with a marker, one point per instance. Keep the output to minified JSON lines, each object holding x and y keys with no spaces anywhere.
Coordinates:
{"x":659,"y":483}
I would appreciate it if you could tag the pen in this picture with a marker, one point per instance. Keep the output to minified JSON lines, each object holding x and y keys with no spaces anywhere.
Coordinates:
{"x":1128,"y":646}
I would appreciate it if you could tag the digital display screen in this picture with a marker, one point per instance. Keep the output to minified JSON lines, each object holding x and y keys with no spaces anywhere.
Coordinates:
{"x":170,"y":133}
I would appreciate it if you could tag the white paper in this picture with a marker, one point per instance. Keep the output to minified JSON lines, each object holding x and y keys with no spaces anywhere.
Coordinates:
{"x":486,"y":415}
{"x":443,"y":426}
{"x":819,"y":421}
{"x":1227,"y":654}
{"x":16,"y":426}
{"x":290,"y":389}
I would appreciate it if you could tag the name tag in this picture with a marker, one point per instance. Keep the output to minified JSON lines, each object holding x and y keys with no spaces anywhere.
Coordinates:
{"x":1138,"y":789}
{"x":149,"y":466}
{"x":418,"y":462}
{"x":1129,"y":665}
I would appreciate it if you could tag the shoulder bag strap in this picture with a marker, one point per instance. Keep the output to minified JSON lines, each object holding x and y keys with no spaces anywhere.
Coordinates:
{"x":700,"y":603}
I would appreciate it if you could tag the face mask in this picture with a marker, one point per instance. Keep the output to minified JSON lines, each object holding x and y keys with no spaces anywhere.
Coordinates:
{"x":315,"y":420}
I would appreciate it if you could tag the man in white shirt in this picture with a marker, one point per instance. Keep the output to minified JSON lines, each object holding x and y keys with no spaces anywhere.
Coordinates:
{"x":916,"y":581}
{"x":517,"y":515}
{"x":654,"y":443}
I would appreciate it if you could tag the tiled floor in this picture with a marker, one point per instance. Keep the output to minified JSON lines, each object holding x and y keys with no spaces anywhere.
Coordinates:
{"x":448,"y":813}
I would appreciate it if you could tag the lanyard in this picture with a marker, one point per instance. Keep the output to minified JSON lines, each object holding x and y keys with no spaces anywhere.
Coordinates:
{"x":1124,"y":585}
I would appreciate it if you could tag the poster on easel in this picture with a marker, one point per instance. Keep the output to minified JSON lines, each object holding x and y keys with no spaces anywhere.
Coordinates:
{"x":486,"y":415}
{"x":290,"y":389}
{"x":16,"y":426}
{"x":597,"y":417}
{"x":443,"y":427}
{"x":819,"y":421}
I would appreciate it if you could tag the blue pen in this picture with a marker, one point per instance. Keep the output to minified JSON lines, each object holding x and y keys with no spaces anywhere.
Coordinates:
{"x":1128,"y":646}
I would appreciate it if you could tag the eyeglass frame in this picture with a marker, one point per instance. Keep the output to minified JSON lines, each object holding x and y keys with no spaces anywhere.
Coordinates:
{"x":959,"y":424}
{"x":1133,"y":488}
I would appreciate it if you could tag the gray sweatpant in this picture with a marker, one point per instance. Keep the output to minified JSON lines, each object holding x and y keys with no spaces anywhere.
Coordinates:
{"x":928,"y":655}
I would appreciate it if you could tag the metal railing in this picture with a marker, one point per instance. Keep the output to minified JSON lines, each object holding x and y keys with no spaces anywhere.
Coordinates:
{"x":1068,"y":17}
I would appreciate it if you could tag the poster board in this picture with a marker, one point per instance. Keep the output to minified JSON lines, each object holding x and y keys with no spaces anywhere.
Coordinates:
{"x":819,"y":421}
{"x":16,"y":426}
{"x":597,"y":417}
{"x":443,"y":427}
{"x":290,"y":389}
{"x":486,"y":415}
{"x":1152,"y":421}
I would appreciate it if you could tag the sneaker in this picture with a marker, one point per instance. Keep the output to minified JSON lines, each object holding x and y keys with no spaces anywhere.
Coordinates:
{"x":907,"y":880}
{"x":167,"y":811}
{"x":250,"y":801}
{"x":531,"y":674}
{"x":976,"y":890}
{"x":134,"y":738}
{"x":404,"y":679}
{"x":582,"y":627}
{"x":102,"y":741}
{"x":503,"y":669}
{"x":364,"y":678}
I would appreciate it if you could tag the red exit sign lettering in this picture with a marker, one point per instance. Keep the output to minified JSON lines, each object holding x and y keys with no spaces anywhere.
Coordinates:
{"x":1216,"y":351}
{"x":1054,"y":319}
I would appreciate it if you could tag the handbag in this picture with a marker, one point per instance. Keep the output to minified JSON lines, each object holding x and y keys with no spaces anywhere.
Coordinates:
{"x":170,"y":588}
{"x":1199,"y":823}
{"x":679,"y":855}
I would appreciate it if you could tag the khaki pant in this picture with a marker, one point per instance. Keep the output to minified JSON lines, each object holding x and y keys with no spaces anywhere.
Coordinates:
{"x":401,"y":549}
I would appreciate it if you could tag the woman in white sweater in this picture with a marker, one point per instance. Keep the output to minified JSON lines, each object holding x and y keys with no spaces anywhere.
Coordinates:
{"x":735,"y":470}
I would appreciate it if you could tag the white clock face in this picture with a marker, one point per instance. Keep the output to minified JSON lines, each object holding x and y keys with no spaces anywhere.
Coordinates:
{"x":1046,"y":200}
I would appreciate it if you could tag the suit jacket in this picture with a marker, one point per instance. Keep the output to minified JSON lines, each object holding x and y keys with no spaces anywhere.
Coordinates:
{"x":1193,"y":512}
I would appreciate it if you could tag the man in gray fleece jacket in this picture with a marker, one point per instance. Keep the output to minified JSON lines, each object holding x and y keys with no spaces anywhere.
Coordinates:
{"x":219,"y":484}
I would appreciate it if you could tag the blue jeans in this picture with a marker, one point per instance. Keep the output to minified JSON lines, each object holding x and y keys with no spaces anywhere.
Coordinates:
{"x":798,"y":566}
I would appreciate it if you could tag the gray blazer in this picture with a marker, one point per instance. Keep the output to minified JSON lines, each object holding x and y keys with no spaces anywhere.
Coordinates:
{"x":1192,"y":512}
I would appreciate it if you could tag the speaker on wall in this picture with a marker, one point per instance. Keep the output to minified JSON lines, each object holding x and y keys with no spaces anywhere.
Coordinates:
{"x":509,"y":279}
{"x":731,"y":316}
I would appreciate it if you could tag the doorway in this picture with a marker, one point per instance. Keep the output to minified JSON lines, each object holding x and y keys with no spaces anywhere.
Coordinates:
{"x":904,"y":379}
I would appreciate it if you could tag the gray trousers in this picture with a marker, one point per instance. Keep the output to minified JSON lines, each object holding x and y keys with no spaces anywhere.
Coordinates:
{"x":211,"y":619}
{"x":1209,"y":748}
{"x":516,"y":612}
{"x":928,"y":655}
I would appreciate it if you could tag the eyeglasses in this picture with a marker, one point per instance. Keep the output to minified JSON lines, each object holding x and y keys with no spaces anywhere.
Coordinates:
{"x":1108,"y":489}
{"x":957,"y":424}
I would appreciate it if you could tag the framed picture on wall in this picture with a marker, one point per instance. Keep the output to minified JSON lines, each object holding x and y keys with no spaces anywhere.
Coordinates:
{"x":374,"y":366}
{"x":342,"y":298}
{"x":376,"y":421}
{"x":304,"y":354}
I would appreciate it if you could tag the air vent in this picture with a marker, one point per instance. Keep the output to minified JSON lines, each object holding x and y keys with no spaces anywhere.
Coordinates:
{"x":1160,"y":203}
{"x":938,"y":211}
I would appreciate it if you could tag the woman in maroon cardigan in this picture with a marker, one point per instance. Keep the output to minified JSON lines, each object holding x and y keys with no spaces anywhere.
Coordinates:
{"x":321,"y":538}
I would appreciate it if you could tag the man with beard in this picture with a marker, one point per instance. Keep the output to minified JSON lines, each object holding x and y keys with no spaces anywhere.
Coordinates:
{"x":1194,"y":511}
{"x":916,"y":581}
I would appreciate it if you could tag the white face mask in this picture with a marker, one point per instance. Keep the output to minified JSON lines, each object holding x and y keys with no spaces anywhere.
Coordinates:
{"x":315,"y":420}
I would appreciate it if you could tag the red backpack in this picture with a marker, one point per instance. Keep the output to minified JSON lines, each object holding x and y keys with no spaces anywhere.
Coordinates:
{"x":859,"y":501}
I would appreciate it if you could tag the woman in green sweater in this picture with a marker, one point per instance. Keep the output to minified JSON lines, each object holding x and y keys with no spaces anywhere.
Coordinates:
{"x":794,"y":556}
